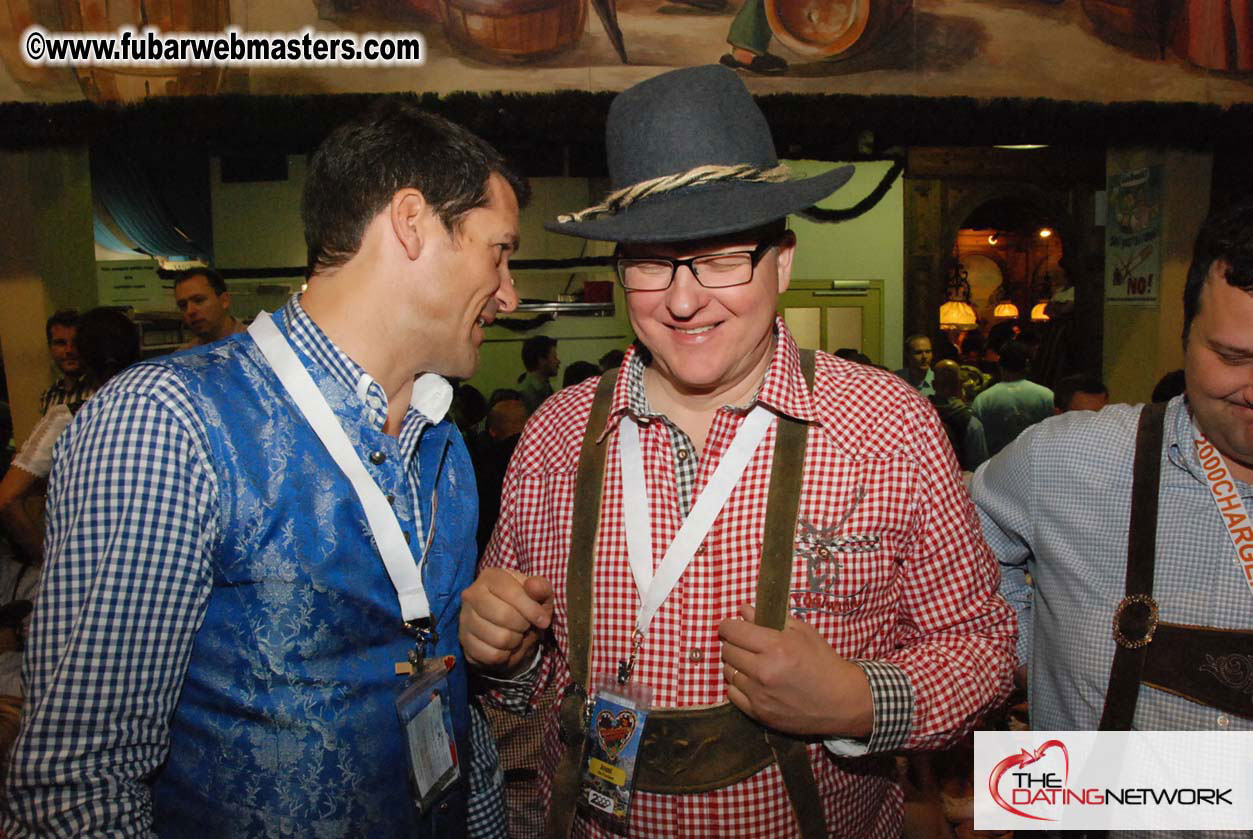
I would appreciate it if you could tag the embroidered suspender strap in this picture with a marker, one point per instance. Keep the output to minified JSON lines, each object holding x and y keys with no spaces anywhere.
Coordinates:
{"x":588,"y":485}
{"x":1135,"y":618}
{"x":1204,"y":664}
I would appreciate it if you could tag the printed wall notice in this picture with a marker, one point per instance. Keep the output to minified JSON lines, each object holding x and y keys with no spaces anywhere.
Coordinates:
{"x":1133,"y":235}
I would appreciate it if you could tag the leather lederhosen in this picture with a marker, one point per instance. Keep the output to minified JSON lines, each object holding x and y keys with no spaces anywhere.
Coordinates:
{"x":1195,"y":662}
{"x":1177,"y":658}
{"x":686,"y":750}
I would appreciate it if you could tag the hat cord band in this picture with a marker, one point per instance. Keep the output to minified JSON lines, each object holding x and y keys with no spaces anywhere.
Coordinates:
{"x":699,"y":176}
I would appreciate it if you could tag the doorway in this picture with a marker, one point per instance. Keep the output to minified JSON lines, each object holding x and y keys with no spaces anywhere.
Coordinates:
{"x":833,"y":314}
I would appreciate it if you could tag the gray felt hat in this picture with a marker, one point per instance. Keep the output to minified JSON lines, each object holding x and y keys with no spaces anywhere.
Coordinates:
{"x":702,"y":125}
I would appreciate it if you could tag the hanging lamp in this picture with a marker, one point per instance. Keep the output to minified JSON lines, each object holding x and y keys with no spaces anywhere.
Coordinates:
{"x":956,"y":312}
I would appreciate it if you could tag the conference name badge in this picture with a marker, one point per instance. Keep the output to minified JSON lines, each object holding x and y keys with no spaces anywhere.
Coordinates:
{"x":614,"y":730}
{"x":425,"y":712}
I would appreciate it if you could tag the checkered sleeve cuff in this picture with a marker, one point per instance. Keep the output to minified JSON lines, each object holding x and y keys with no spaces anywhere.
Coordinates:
{"x":514,"y":694}
{"x":893,"y":701}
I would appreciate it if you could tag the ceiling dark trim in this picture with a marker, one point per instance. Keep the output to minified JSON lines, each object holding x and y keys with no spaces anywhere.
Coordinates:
{"x":562,"y":132}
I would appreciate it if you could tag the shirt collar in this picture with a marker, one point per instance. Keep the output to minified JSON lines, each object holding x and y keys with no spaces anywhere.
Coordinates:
{"x":1180,"y":445}
{"x":431,"y":396}
{"x":783,"y":390}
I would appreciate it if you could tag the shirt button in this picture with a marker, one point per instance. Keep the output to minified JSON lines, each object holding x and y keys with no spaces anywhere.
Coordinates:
{"x":682,"y":454}
{"x":1223,"y":720}
{"x":696,"y":655}
{"x":391,"y":499}
{"x":406,"y":537}
{"x":377,"y":457}
{"x":700,"y":551}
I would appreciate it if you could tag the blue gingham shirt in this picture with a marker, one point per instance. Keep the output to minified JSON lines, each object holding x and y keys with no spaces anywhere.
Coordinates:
{"x":1056,"y":503}
{"x":132,"y":566}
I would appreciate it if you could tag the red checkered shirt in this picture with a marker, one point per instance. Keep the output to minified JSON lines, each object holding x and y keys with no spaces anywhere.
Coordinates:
{"x":906,"y":587}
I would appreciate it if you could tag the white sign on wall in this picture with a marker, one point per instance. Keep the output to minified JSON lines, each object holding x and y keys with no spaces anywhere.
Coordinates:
{"x":132,"y":283}
{"x":1133,"y":235}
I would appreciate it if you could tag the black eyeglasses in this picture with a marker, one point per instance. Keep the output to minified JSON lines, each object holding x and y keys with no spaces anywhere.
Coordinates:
{"x":715,"y":270}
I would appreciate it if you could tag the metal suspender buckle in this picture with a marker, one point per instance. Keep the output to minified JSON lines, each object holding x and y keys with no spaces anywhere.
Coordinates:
{"x":1135,"y":621}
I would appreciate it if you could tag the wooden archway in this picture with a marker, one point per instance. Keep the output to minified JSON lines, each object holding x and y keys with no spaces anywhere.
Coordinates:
{"x":936,"y":207}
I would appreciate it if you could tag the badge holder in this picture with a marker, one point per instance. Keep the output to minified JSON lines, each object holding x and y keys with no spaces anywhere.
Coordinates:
{"x":425,"y":712}
{"x":614,"y":730}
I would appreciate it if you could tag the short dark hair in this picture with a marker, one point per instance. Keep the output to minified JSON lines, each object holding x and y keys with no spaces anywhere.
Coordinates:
{"x":577,"y":372}
{"x":392,"y":146}
{"x":1225,"y":236}
{"x":108,"y":342}
{"x":469,"y":406}
{"x":535,"y":349}
{"x":974,"y":342}
{"x":61,"y":317}
{"x":1014,"y":357}
{"x":1068,"y":386}
{"x":917,"y":336}
{"x":611,"y":360}
{"x":852,"y":354}
{"x":216,"y":282}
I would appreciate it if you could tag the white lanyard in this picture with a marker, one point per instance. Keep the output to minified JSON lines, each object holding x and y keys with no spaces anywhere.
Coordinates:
{"x":654,"y":590}
{"x":1222,"y":488}
{"x":390,"y":539}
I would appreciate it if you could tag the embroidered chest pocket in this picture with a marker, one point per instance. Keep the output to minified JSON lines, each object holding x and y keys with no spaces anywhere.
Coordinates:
{"x":836,"y":575}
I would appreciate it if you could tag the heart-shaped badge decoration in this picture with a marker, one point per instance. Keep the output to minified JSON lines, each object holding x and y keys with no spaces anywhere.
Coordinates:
{"x":614,"y":731}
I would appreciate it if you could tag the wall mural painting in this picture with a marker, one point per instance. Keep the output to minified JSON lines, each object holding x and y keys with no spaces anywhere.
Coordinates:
{"x":1082,"y":50}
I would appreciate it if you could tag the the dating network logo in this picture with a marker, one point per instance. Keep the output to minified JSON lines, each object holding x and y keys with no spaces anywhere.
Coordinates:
{"x":1026,"y":786}
{"x":1113,"y":780}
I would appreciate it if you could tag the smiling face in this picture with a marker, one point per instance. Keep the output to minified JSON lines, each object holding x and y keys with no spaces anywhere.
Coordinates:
{"x":468,"y":281}
{"x":710,"y":340}
{"x":1218,"y":365}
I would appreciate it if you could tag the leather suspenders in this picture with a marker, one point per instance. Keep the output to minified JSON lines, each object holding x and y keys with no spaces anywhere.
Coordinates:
{"x":1189,"y":661}
{"x":686,"y":750}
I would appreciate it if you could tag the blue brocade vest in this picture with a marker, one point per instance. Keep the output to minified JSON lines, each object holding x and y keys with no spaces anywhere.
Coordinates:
{"x":286,"y":725}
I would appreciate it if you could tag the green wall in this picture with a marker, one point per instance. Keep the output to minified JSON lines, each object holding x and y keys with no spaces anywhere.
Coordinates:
{"x":869,"y":247}
{"x":46,"y":263}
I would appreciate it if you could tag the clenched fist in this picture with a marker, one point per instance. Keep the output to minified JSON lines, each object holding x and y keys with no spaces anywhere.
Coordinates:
{"x":504,"y":614}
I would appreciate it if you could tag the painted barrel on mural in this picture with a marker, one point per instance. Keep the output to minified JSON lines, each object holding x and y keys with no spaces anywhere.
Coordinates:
{"x":833,"y":28}
{"x":126,"y":84}
{"x":514,"y":31}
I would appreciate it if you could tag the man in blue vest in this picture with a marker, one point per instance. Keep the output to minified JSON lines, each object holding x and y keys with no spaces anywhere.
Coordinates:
{"x":248,"y":542}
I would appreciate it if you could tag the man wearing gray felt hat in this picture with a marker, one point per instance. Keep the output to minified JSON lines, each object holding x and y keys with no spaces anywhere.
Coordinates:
{"x":690,"y":156}
{"x":767,"y":550}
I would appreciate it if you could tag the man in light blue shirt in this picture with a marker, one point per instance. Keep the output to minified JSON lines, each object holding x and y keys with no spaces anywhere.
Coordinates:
{"x":1056,"y":504}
